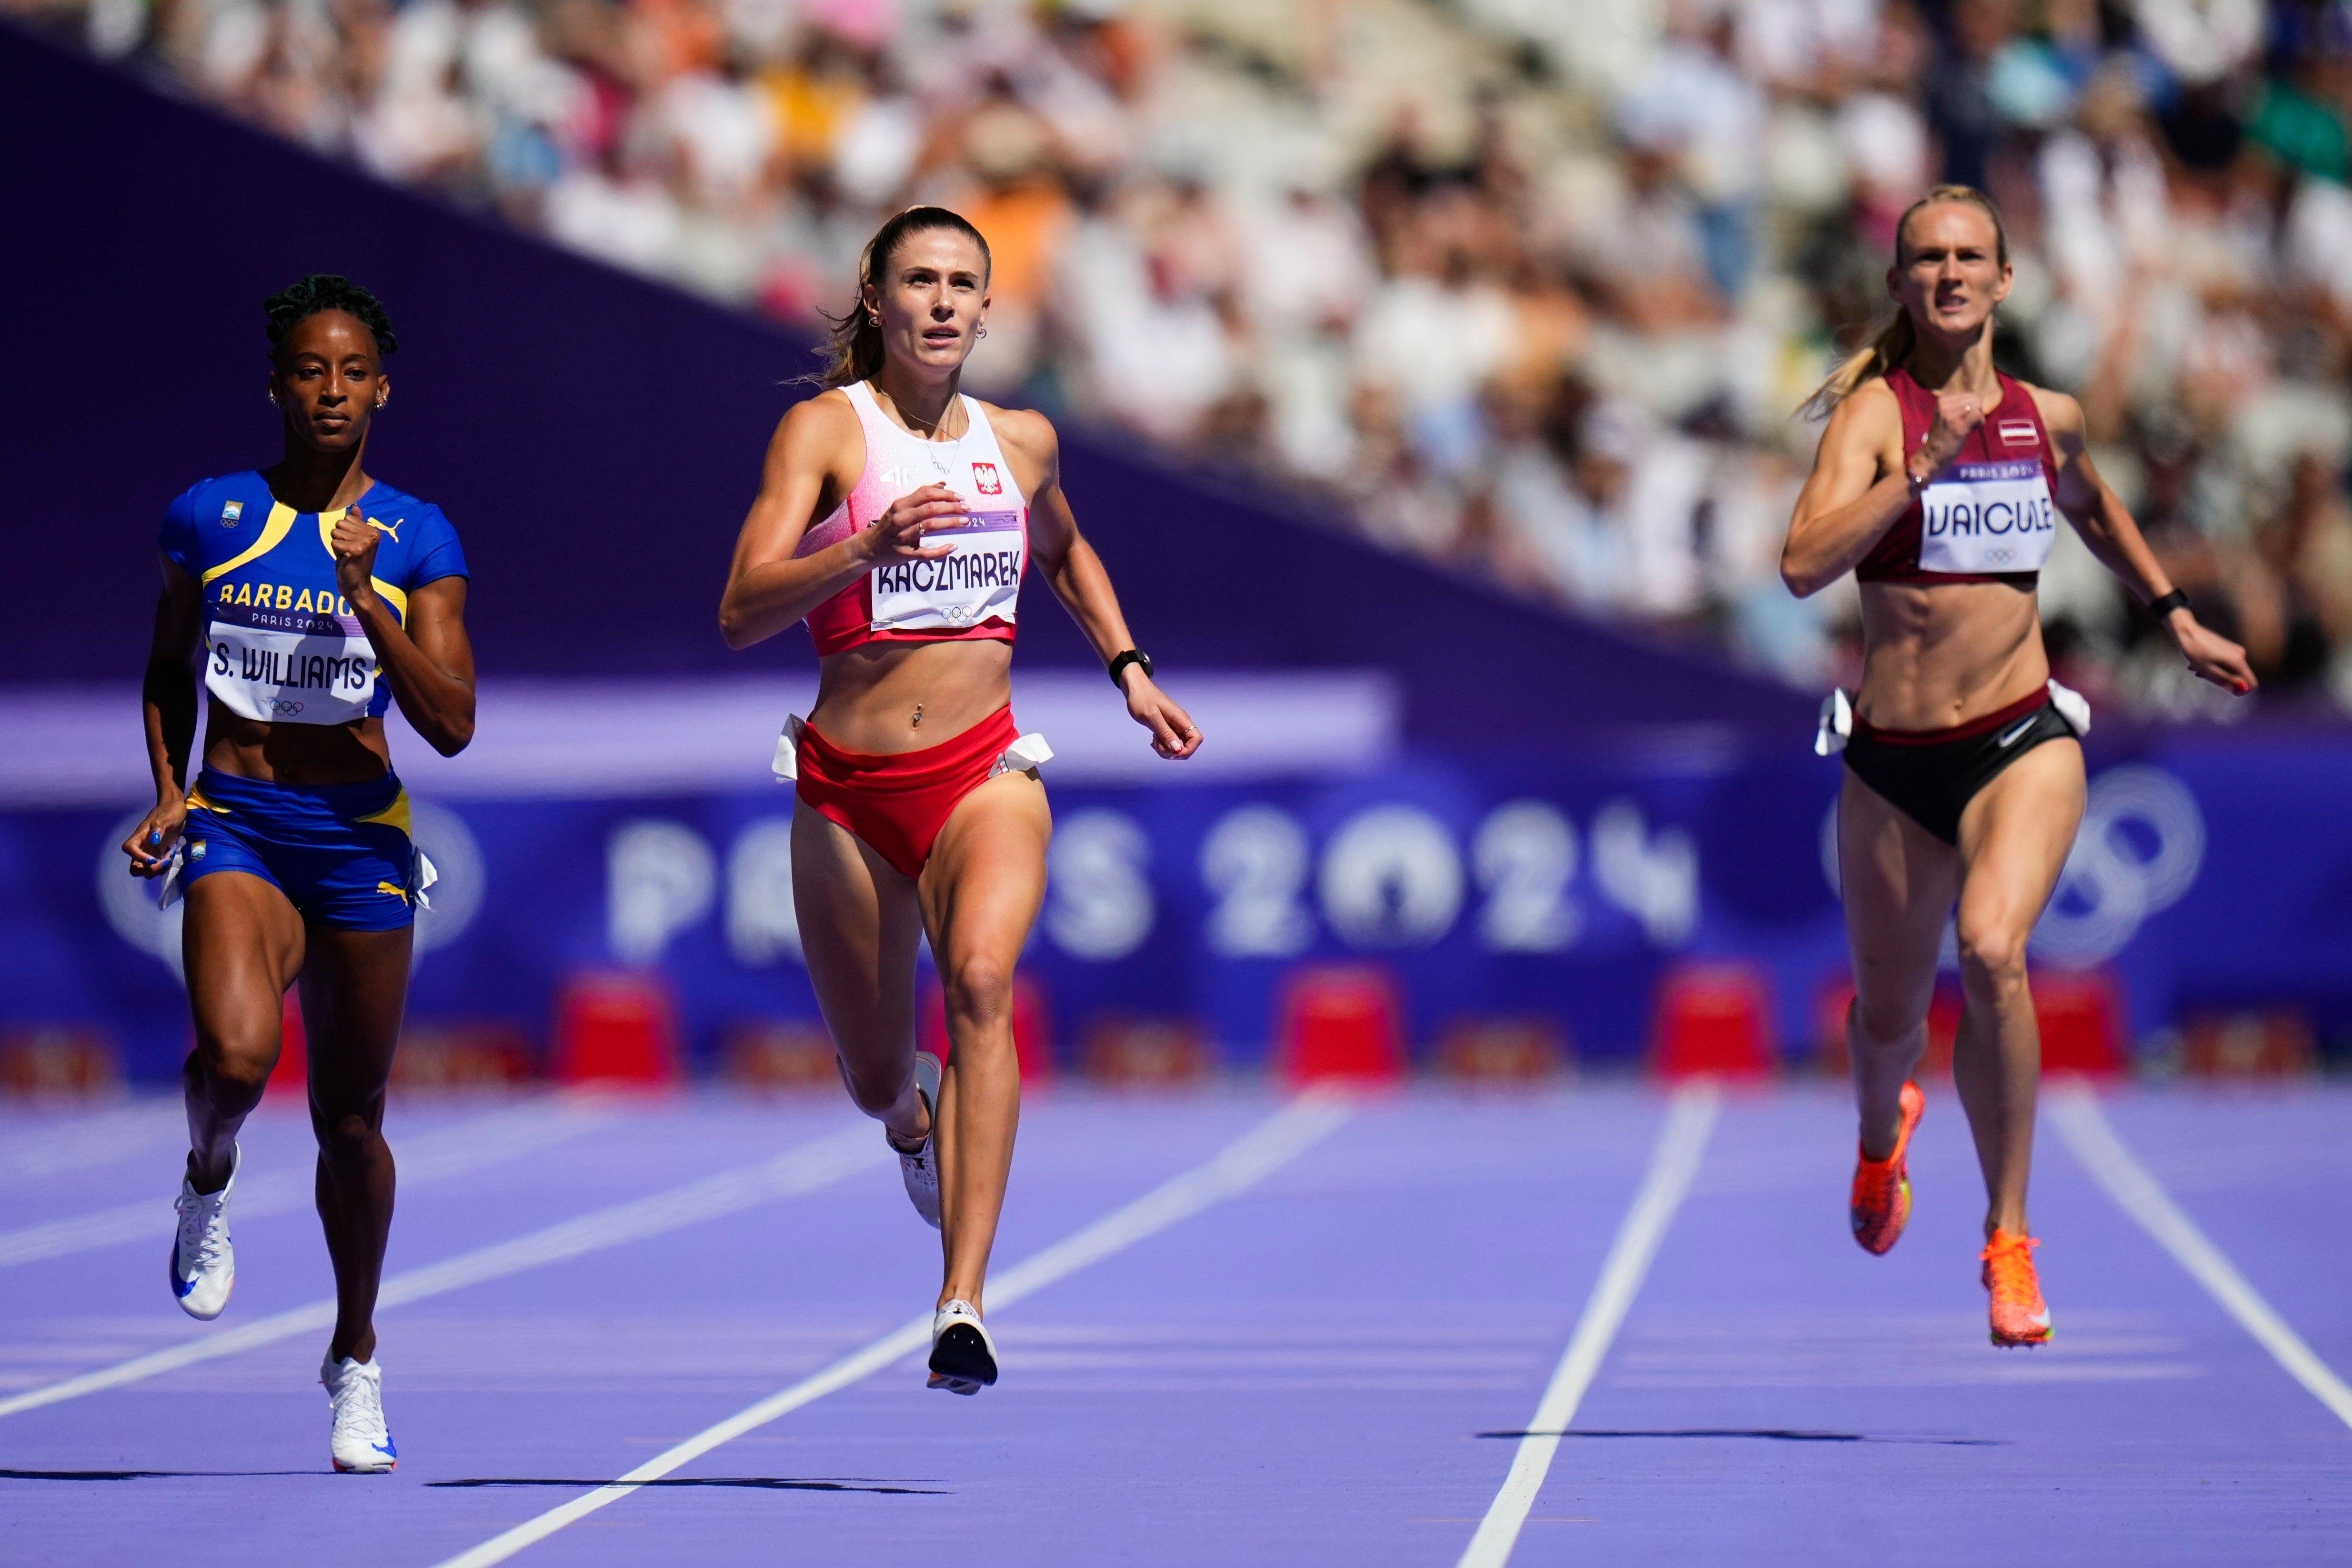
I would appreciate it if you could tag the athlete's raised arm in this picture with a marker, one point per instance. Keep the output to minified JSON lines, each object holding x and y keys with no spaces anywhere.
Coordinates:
{"x":1076,"y":573}
{"x":428,"y":662}
{"x":1861,"y":483}
{"x":167,"y":697}
{"x":770,"y":588}
{"x":2105,"y":524}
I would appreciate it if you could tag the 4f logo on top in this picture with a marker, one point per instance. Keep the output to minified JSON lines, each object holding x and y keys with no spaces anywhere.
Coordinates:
{"x":984,"y":479}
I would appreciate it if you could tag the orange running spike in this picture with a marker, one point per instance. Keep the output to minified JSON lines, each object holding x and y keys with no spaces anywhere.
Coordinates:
{"x":2020,"y":1317}
{"x":1881,"y":1204}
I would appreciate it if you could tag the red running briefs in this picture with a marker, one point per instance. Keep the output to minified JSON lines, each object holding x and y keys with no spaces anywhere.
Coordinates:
{"x":899,"y":804}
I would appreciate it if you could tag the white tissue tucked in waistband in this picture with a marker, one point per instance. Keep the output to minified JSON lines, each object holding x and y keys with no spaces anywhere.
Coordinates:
{"x":1029,"y":752}
{"x":168,"y":893}
{"x":1836,"y":726}
{"x":787,"y":763}
{"x":427,"y":875}
{"x":1837,"y":717}
{"x":2072,"y":706}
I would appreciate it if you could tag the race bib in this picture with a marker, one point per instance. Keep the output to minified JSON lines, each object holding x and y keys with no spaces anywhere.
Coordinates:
{"x":979,"y":582}
{"x":316,"y":673}
{"x":1987,"y":518}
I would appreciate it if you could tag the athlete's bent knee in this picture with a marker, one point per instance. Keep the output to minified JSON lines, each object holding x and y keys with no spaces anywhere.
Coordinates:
{"x":1883,"y":1023}
{"x":979,"y":989}
{"x":346,"y":1139}
{"x":1992,"y":954}
{"x":875,"y":1093}
{"x":235,"y":1075}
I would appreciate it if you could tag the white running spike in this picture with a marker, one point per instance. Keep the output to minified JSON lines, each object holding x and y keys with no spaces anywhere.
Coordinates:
{"x":203,"y":1264}
{"x":921,"y":1168}
{"x":359,"y":1442}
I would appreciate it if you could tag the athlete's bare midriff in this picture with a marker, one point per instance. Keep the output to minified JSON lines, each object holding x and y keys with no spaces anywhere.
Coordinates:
{"x":1940,"y":654}
{"x":867,"y":696}
{"x":294,"y":753}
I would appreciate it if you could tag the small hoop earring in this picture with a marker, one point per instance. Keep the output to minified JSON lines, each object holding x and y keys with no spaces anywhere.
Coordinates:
{"x":982,"y":333}
{"x":874,"y":320}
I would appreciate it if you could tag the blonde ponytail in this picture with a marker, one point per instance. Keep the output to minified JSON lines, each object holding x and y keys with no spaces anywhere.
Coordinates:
{"x":1894,"y":341}
{"x":1884,"y":352}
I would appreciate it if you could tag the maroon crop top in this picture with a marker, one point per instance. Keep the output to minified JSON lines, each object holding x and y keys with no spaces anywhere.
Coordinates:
{"x":1994,"y":506}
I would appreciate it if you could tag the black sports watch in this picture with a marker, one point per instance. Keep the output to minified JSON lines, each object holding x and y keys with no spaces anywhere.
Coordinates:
{"x":1120,"y":661}
{"x":2164,"y":606}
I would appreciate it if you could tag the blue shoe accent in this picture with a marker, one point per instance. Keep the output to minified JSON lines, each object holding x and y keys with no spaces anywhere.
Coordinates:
{"x":385,"y":1447}
{"x":180,"y":1286}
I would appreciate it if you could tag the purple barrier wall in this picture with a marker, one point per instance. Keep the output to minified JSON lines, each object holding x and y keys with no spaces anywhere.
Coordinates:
{"x":2206,"y":881}
{"x":596,"y":438}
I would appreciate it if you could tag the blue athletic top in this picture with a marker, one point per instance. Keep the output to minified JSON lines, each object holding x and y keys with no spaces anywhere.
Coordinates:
{"x":280,"y":645}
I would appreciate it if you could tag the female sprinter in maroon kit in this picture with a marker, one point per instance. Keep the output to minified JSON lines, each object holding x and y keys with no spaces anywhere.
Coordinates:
{"x":1937,"y":484}
{"x":896,"y":517}
{"x":302,"y":600}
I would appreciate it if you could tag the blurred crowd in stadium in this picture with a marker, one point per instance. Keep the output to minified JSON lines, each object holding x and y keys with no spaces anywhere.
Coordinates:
{"x":1530,"y":288}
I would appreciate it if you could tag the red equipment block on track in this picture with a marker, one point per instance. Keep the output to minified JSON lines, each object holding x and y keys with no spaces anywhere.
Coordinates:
{"x":1341,"y":1021}
{"x":1943,"y":1028}
{"x":615,"y":1028}
{"x":2080,"y":1012}
{"x":1712,"y":1020}
{"x":2082,"y":1017}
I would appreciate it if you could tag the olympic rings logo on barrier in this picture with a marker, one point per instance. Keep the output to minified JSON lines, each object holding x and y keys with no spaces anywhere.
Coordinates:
{"x":2139,"y":850}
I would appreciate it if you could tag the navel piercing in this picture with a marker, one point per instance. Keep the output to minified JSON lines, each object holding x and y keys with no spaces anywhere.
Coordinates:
{"x":918,"y":718}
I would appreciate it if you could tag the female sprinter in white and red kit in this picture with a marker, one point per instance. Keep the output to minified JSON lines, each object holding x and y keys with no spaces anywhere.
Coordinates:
{"x":1937,"y":484}
{"x":896,"y":517}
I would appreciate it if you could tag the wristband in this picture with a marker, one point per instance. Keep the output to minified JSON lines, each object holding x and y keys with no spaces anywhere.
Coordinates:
{"x":1119,"y":662}
{"x":2162,"y":607}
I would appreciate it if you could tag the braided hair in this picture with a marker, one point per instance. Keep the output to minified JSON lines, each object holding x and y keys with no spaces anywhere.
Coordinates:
{"x":853,"y":344}
{"x":321,"y":291}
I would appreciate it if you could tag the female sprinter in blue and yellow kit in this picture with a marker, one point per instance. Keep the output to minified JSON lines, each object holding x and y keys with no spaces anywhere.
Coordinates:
{"x":308,"y":595}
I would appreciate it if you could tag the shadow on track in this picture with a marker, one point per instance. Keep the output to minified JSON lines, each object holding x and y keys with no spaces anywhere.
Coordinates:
{"x":1766,"y":1433}
{"x":767,"y":1483}
{"x":148,"y":1475}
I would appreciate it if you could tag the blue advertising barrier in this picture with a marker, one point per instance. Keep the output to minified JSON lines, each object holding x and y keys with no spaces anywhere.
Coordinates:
{"x":2204,"y":878}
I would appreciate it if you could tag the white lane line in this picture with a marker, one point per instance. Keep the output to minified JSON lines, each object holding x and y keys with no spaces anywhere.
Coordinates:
{"x":429,"y":1157}
{"x":1272,"y":1144}
{"x":788,"y":1175}
{"x":86,"y":1142}
{"x":2075,"y":1109}
{"x":1689,"y":1121}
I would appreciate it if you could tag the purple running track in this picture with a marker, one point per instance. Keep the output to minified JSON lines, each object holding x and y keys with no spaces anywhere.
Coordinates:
{"x":1325,"y":1368}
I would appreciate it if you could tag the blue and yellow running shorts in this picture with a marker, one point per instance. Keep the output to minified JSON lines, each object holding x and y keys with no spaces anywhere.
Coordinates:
{"x":340,"y":853}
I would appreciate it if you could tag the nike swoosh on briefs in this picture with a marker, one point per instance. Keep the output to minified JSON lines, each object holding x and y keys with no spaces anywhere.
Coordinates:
{"x":2020,"y":728}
